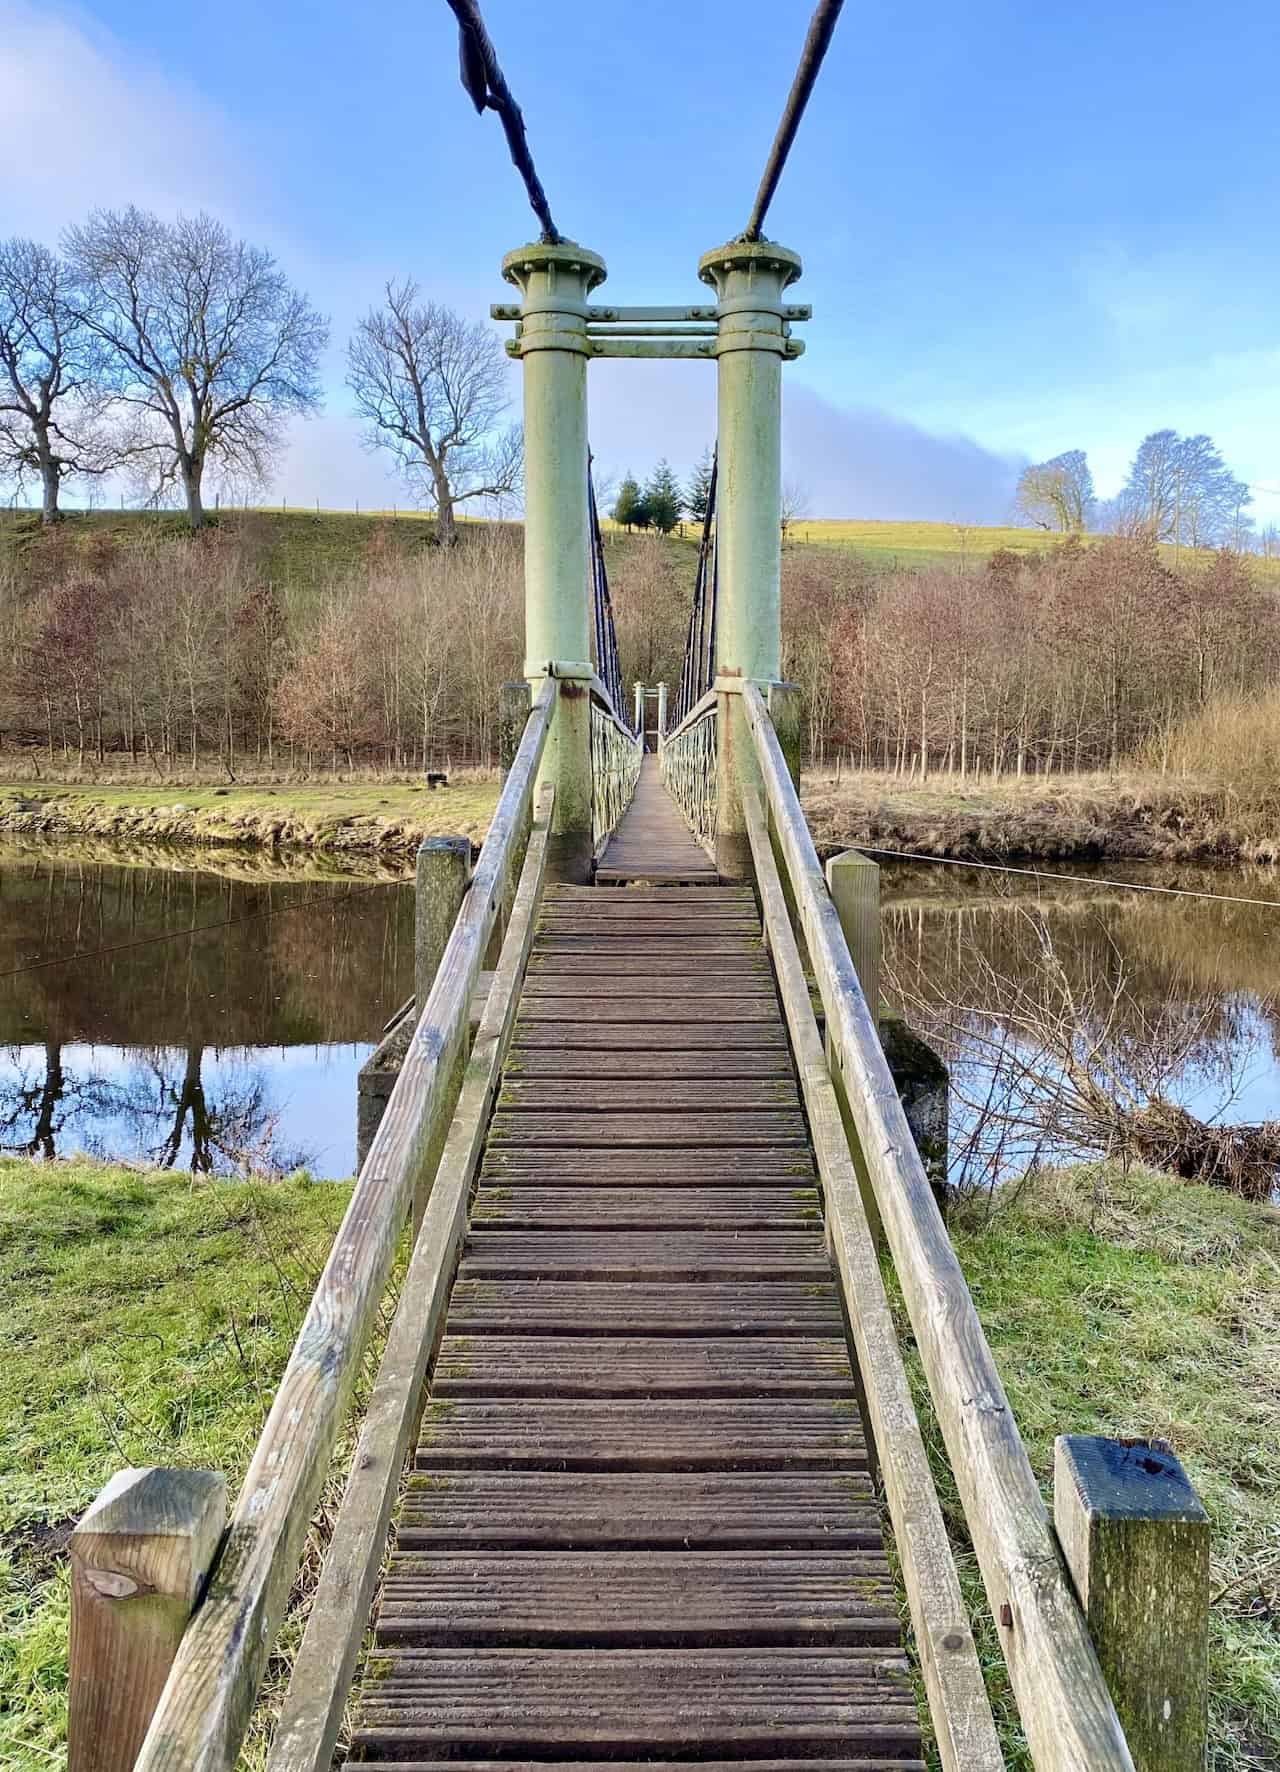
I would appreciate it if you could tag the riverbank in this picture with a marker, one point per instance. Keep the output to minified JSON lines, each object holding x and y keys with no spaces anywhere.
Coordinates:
{"x":342,"y":818}
{"x":1088,"y":818}
{"x":1084,"y":818}
{"x":1128,"y":1305}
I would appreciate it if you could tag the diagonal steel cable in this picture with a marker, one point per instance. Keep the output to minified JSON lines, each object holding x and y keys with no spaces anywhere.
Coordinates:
{"x":821,"y":28}
{"x":487,"y":89}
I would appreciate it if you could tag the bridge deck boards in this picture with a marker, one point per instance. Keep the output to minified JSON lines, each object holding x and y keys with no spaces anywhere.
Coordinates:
{"x":652,"y":843}
{"x":640,"y":1525}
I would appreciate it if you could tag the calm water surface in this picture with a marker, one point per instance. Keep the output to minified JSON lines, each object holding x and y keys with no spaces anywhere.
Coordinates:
{"x":1182,"y":991}
{"x":236,"y":1046}
{"x":212,"y":1049}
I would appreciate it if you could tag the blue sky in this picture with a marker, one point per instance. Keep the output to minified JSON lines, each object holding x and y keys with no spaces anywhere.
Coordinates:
{"x":1024,"y":229}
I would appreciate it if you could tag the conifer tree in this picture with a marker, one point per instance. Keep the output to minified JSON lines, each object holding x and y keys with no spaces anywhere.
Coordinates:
{"x":628,"y":502}
{"x":663,"y":498}
{"x":698,"y":495}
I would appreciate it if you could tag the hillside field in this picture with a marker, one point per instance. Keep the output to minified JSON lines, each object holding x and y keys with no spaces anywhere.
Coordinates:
{"x":301,"y":548}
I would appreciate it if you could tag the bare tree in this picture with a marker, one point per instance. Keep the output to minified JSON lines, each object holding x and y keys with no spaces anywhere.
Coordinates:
{"x":1057,"y":494}
{"x":50,"y":370}
{"x":795,"y":505}
{"x":431,"y":388}
{"x":209,"y":349}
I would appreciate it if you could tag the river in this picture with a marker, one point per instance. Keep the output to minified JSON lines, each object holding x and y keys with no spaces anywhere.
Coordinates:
{"x":1050,"y":995}
{"x":215,"y":1008}
{"x":197,"y":1012}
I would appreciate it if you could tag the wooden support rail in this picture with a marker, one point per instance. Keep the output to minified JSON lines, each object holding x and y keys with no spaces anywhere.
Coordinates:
{"x":207,"y":1701}
{"x":962,"y":1720}
{"x":312,"y":1713}
{"x":1066,"y":1709}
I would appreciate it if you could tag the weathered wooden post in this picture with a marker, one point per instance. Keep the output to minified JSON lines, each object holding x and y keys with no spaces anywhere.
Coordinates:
{"x":752,"y":322}
{"x":640,"y":710}
{"x":443,"y":869}
{"x":139,"y":1560}
{"x":514,"y":702}
{"x":662,"y":710}
{"x":853,"y":880}
{"x":1136,"y":1540}
{"x":551,"y":342}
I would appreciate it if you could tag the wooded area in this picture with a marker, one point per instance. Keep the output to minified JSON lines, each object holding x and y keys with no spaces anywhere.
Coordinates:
{"x":180,"y":651}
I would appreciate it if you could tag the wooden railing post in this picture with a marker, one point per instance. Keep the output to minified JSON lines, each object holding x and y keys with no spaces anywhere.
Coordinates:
{"x":1136,"y":1540}
{"x":514,"y":702}
{"x":139,"y":1559}
{"x":444,"y":869}
{"x":444,"y":866}
{"x":853,"y":881}
{"x":662,"y":712}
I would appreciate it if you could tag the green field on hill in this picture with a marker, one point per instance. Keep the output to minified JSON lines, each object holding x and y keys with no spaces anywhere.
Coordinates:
{"x":301,"y":548}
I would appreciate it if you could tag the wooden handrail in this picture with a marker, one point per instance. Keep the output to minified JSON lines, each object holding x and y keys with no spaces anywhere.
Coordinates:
{"x":311,"y":1715}
{"x":1066,"y":1709}
{"x":207,"y":1701}
{"x":962,"y":1722}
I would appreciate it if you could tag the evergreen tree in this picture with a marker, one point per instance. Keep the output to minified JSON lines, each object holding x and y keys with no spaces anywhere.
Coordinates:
{"x":698,"y":495}
{"x":663,"y":498}
{"x":628,"y":503}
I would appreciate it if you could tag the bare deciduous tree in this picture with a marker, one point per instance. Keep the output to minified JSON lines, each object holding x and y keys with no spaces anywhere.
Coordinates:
{"x":1057,"y":494}
{"x":795,"y":505}
{"x":50,"y":369}
{"x":209,"y":349}
{"x":431,"y":388}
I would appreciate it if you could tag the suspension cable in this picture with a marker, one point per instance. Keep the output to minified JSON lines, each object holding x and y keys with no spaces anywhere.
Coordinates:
{"x":821,"y":28}
{"x":487,"y":89}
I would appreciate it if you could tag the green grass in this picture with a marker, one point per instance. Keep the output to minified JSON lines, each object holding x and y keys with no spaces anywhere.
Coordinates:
{"x":1139,"y":1305}
{"x":300,"y":549}
{"x":322,"y":816}
{"x":145,"y":1319}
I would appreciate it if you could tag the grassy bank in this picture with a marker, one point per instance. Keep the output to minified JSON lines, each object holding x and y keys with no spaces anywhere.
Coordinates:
{"x":1141,"y":1306}
{"x":1129,"y":816}
{"x":333,"y":817}
{"x":144,"y":1320}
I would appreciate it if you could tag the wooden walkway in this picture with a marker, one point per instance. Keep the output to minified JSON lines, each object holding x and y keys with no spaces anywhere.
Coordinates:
{"x":641,"y":1525}
{"x":652,"y":843}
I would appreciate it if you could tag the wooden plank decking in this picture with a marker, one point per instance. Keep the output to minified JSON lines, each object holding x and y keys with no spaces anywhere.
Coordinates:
{"x":652,"y":843}
{"x":640,"y":1526}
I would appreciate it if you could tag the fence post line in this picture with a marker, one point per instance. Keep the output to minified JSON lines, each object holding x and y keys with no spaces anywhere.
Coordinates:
{"x":139,"y":1559}
{"x":1135,"y":1536}
{"x":749,"y":278}
{"x":552,"y":344}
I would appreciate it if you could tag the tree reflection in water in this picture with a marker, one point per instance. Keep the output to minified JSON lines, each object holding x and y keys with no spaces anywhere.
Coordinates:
{"x":223,"y":1051}
{"x":1064,"y":1011}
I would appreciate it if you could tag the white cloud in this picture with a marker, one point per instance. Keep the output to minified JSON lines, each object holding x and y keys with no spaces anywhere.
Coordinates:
{"x":84,"y":123}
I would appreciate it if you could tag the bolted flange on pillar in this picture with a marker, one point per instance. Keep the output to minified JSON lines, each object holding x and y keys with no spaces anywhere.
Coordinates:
{"x":551,"y":343}
{"x":753,"y":338}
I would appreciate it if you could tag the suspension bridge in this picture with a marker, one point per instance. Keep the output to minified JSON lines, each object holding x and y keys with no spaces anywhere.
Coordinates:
{"x":641,"y":1478}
